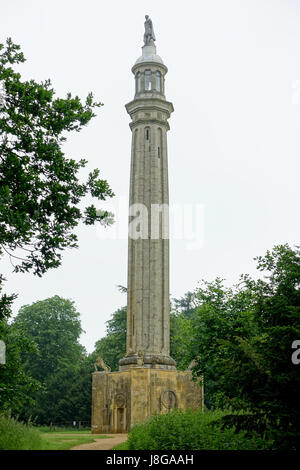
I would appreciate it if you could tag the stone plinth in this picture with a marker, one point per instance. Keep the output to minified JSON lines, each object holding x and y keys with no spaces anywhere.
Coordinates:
{"x":123,"y":399}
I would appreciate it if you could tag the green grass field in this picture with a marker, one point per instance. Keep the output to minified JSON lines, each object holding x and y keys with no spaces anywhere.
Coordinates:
{"x":65,"y":440}
{"x":15,"y":435}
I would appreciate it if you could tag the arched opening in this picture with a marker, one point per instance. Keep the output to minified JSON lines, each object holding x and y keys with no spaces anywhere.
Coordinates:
{"x":148,"y":83}
{"x":120,"y":420}
{"x":158,"y":81}
{"x":138,"y":82}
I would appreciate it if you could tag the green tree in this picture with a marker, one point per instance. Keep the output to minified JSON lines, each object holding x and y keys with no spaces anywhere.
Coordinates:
{"x":222,"y":313}
{"x":80,"y":390}
{"x":113,"y":346}
{"x":181,"y":334}
{"x":16,"y":385}
{"x":244,"y":347}
{"x":69,"y":391}
{"x":39,"y":186}
{"x":40,"y":189}
{"x":186,"y":304}
{"x":54,"y":326}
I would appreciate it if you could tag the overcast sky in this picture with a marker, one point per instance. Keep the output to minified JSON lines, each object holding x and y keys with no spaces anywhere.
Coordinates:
{"x":234,"y":142}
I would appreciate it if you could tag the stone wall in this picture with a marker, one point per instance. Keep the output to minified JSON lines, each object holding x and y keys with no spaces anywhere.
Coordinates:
{"x":123,"y":399}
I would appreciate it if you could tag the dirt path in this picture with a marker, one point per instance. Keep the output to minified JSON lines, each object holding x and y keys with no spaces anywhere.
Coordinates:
{"x":103,"y":444}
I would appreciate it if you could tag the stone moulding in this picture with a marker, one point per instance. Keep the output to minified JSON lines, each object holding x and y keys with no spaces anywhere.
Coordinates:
{"x":149,"y":361}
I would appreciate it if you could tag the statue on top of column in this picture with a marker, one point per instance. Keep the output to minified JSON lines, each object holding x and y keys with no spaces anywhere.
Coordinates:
{"x":149,"y":36}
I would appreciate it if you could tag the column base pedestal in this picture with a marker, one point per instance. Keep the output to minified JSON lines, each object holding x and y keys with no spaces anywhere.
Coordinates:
{"x":148,"y":361}
{"x":125,"y":398}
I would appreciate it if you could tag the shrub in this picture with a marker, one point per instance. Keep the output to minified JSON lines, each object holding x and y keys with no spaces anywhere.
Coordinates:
{"x":189,"y":430}
{"x":15,"y":435}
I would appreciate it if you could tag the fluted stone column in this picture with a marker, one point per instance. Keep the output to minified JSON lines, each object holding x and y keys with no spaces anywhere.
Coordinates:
{"x":147,"y":381}
{"x":148,"y":249}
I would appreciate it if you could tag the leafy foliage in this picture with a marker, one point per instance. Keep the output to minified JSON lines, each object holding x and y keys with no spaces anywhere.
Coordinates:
{"x":185,"y":305}
{"x":39,"y":187}
{"x":243,"y":342}
{"x":59,"y":363}
{"x":16,"y":385}
{"x":5,"y":302}
{"x":15,"y":435}
{"x":181,"y":332}
{"x":40,"y":194}
{"x":112,"y":347}
{"x":191,"y":431}
{"x":54,"y":324}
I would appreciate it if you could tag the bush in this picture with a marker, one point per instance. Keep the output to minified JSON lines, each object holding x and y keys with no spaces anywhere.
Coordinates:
{"x":189,"y":430}
{"x":15,"y":435}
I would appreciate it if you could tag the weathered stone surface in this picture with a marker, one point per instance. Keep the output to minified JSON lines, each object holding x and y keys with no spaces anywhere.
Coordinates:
{"x":148,"y":257}
{"x":148,"y":381}
{"x":123,"y":399}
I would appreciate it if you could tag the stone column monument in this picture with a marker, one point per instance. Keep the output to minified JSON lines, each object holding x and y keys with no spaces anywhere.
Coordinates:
{"x":147,"y":381}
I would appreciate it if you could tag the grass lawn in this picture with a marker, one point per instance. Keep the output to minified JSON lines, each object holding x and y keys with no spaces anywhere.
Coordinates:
{"x":64,"y":440}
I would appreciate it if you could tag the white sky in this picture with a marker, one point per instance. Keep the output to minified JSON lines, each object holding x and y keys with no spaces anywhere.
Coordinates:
{"x":234,"y":143}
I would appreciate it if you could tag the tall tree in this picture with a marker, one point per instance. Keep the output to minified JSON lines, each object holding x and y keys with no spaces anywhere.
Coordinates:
{"x":245,"y":347}
{"x":17,"y":387}
{"x":181,"y":334}
{"x":186,"y":304}
{"x":112,"y":347}
{"x":40,"y":189}
{"x":54,"y":326}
